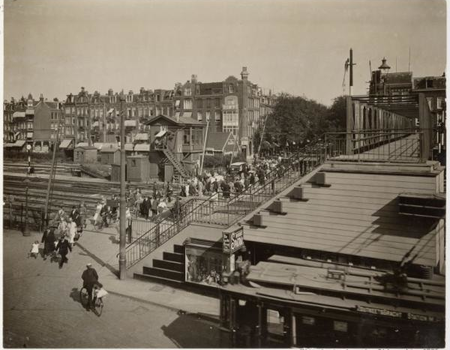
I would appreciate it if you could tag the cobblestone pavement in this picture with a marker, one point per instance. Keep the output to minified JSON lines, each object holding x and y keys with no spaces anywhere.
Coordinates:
{"x":42,"y":309}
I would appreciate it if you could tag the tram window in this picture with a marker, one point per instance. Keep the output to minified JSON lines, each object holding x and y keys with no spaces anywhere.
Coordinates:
{"x":308,"y":320}
{"x":340,"y":326}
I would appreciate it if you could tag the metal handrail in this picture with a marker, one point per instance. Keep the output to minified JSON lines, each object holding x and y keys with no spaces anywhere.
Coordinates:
{"x":180,"y":224}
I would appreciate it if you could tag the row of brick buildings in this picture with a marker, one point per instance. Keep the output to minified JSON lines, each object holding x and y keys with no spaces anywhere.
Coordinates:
{"x":233,"y":105}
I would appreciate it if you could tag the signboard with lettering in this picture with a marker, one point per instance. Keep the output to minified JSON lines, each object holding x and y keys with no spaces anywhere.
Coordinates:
{"x":398,"y":314}
{"x":233,"y":241}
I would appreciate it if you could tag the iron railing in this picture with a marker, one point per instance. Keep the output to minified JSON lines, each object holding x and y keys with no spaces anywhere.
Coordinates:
{"x":226,"y":211}
{"x":375,"y":145}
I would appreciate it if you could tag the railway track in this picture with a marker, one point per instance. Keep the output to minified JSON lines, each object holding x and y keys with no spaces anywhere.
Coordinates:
{"x":66,"y":193}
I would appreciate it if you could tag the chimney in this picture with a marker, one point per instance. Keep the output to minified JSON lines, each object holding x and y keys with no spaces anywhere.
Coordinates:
{"x":244,"y":73}
{"x":194,"y":78}
{"x":41,"y":97}
{"x":82,"y":89}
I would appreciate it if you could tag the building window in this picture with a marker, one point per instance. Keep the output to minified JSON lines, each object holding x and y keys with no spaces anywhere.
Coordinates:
{"x":230,"y":88}
{"x":208,"y":115}
{"x":186,"y":137}
{"x":158,"y":98}
{"x":439,"y":103}
{"x":187,"y":104}
{"x":199,"y":116}
{"x":187,"y":91}
{"x":217,"y":115}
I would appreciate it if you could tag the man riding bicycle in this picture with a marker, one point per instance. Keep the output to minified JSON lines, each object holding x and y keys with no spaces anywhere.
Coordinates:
{"x":90,"y":280}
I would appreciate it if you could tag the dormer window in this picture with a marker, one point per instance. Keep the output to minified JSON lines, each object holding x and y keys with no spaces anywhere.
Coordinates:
{"x":187,"y":91}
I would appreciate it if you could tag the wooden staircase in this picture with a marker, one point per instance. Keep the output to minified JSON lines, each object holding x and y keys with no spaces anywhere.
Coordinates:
{"x":178,"y":166}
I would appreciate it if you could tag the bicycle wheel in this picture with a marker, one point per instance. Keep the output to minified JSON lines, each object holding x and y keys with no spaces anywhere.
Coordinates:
{"x":84,"y":297}
{"x":98,"y":306}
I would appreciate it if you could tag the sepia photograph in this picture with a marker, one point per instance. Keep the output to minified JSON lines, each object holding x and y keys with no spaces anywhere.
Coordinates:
{"x":224,"y":173}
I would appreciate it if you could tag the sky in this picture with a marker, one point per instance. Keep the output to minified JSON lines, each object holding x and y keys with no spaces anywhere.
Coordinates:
{"x":54,"y":47}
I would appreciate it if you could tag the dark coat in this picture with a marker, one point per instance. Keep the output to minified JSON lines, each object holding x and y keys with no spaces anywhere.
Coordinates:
{"x":89,"y":276}
{"x":63,"y":247}
{"x":49,"y":238}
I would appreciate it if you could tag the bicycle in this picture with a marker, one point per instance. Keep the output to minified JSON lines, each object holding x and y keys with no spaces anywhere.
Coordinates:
{"x":98,"y":301}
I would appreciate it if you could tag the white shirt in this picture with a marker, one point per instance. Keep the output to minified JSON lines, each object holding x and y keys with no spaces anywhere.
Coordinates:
{"x":72,"y":231}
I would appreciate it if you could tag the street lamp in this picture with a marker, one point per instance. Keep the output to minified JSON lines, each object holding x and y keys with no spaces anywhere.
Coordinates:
{"x":26,"y":231}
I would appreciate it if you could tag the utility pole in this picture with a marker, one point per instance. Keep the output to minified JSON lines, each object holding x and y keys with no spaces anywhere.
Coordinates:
{"x":351,"y":64}
{"x":123,"y":237}
{"x":53,"y":168}
{"x":204,"y":146}
{"x":26,"y":231}
{"x":89,"y":120}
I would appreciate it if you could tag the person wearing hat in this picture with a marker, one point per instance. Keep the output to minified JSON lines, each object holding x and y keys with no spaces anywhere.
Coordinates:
{"x":90,"y":279}
{"x":49,"y":238}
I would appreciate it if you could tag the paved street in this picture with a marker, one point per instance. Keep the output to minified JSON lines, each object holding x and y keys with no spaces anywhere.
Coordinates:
{"x":42,"y":308}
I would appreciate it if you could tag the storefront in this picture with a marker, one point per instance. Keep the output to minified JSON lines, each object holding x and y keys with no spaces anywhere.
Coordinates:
{"x":214,"y":263}
{"x":317,"y":310}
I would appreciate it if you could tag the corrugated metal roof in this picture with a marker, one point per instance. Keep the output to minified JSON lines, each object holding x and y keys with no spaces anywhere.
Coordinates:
{"x":66,"y":143}
{"x":142,"y":147}
{"x":357,"y":215}
{"x":19,"y":143}
{"x":19,"y":115}
{"x":141,"y":137}
{"x":130,"y":123}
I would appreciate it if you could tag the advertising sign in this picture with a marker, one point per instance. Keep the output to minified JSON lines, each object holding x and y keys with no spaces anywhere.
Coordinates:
{"x":233,"y":241}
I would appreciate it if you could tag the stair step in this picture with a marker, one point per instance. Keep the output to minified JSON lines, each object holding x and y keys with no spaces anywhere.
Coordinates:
{"x":157,"y":279}
{"x":173,"y":257}
{"x":177,"y":248}
{"x":168,"y":265}
{"x":168,"y":274}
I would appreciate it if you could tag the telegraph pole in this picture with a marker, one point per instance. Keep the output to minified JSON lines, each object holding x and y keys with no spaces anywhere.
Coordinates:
{"x":122,"y":252}
{"x":351,"y":64}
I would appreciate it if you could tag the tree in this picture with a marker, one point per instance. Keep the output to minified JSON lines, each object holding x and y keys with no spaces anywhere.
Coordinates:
{"x":295,"y":119}
{"x":336,"y":114}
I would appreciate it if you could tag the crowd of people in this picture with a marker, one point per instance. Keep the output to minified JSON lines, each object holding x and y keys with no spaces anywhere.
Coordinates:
{"x":59,"y":238}
{"x":234,"y":181}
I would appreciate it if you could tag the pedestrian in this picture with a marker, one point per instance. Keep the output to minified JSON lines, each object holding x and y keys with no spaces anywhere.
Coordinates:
{"x":48,"y":238}
{"x":200,"y":187}
{"x":72,"y":232}
{"x":169,"y":192}
{"x":34,"y":250}
{"x":83,"y":213}
{"x":162,"y":206}
{"x":63,"y":249}
{"x":154,"y":206}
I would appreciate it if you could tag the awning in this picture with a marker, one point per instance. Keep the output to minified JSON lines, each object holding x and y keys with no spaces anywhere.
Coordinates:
{"x":16,"y":134}
{"x":129,"y":147}
{"x":161,"y":133}
{"x":187,"y":114}
{"x":82,"y":144}
{"x":9,"y":145}
{"x":29,"y":112}
{"x":29,"y":135}
{"x":110,"y":111}
{"x":143,"y":147}
{"x":98,"y":145}
{"x":141,"y":137}
{"x":130,"y":123}
{"x":65,"y":143}
{"x":95,"y":124}
{"x":19,"y":115}
{"x":19,"y":143}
